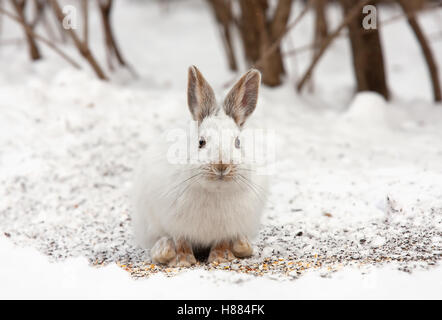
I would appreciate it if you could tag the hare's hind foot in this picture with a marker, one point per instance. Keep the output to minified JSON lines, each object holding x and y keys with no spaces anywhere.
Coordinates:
{"x":163,"y":250}
{"x":230,"y":250}
{"x":242,"y":248}
{"x":221,"y":252}
{"x":184,"y":254}
{"x":176,"y":253}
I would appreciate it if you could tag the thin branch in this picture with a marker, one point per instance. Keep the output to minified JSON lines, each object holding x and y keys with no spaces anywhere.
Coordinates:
{"x":275,"y":45}
{"x":85,"y":9}
{"x":310,"y":46}
{"x":113,"y":50}
{"x":19,"y":7}
{"x":395,"y":18}
{"x":81,"y":46}
{"x":426,"y":49}
{"x":223,"y":14}
{"x":409,"y":14}
{"x":326,"y":43}
{"x":42,"y":39}
{"x":39,"y":7}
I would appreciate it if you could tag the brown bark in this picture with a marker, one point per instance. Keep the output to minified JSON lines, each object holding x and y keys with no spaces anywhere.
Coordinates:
{"x":321,"y":28}
{"x":271,"y":70}
{"x":278,"y":28}
{"x":223,"y":14}
{"x":368,"y":60}
{"x":259,"y":33}
{"x":248,"y":28}
{"x":19,"y":6}
{"x":409,"y":10}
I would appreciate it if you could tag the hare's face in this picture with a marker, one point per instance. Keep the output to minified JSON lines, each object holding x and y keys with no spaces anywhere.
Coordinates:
{"x":219,"y":147}
{"x":220,"y":126}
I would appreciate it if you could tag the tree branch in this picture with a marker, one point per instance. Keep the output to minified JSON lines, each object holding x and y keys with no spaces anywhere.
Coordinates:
{"x":223,"y":14}
{"x":112,"y":47}
{"x":326,"y":43}
{"x":81,"y":46}
{"x":275,"y":45}
{"x":426,"y":49}
{"x":40,"y":38}
{"x":19,"y":7}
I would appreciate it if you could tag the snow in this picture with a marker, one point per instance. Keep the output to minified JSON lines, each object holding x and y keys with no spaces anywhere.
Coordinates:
{"x":356,"y":200}
{"x":74,"y":279}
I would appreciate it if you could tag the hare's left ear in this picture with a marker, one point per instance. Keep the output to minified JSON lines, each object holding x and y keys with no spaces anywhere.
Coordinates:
{"x":200,"y":96}
{"x":241,"y":100}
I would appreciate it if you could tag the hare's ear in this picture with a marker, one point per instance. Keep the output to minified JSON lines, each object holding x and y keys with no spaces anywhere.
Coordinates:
{"x":200,"y":96}
{"x":241,"y":100}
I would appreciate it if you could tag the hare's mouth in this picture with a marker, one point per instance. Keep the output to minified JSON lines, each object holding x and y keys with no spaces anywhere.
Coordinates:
{"x":220,"y":172}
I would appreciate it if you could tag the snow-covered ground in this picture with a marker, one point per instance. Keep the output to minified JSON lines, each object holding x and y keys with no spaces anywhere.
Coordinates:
{"x":356,"y":201}
{"x":29,"y":275}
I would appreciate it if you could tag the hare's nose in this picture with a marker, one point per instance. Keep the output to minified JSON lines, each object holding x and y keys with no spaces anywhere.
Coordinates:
{"x":221,"y":169}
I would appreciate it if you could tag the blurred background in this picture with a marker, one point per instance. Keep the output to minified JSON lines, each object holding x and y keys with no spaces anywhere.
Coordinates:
{"x":314,"y":46}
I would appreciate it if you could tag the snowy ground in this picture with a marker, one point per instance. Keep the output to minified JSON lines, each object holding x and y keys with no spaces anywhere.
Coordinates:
{"x":356,"y":202}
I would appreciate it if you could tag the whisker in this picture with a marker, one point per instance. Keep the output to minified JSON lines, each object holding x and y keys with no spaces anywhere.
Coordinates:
{"x":183,"y":192}
{"x":252,"y":183}
{"x":179,"y":184}
{"x":259,"y":195}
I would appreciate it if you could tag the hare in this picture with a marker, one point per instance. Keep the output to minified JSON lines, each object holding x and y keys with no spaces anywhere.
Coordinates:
{"x":215,"y":203}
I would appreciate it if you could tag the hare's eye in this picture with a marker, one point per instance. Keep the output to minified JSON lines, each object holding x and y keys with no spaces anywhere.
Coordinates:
{"x":237,"y":143}
{"x":202,"y":142}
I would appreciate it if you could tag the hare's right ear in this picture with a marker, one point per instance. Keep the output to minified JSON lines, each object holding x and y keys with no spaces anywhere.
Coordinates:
{"x":241,"y":101}
{"x":200,"y":96}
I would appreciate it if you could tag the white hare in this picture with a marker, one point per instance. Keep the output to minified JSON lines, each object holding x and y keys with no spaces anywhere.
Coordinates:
{"x":215,"y":203}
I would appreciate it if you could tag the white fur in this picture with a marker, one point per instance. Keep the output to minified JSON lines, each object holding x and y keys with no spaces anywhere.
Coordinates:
{"x":202,"y":211}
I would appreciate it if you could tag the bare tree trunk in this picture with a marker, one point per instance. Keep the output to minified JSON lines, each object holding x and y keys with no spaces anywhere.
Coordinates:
{"x":271,"y":70}
{"x":248,"y":29}
{"x":368,"y":60}
{"x":409,"y":10}
{"x":259,"y":32}
{"x":223,"y":14}
{"x":19,"y":6}
{"x":321,"y":29}
{"x":278,"y":28}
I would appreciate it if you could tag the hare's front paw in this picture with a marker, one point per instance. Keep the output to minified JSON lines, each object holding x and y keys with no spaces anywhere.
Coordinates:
{"x":163,"y":251}
{"x":184,"y":254}
{"x":221,"y":252}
